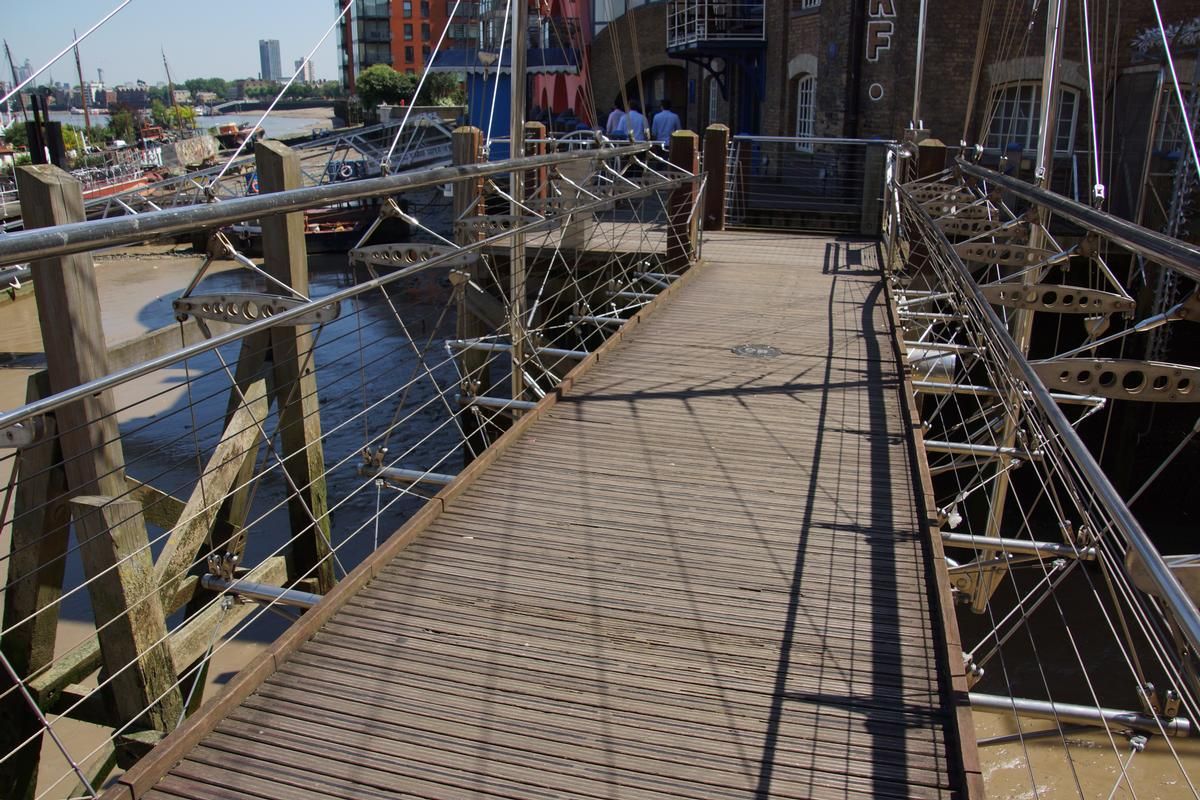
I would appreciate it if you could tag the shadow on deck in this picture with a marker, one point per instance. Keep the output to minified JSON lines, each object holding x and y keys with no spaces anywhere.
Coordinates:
{"x":702,"y":571}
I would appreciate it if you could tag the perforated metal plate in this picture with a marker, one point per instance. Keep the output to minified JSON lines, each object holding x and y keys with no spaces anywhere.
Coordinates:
{"x":1003,"y":253}
{"x":241,"y":308}
{"x":1056,"y":297}
{"x":1124,"y":379}
{"x":954,"y":226}
{"x":485,"y":227}
{"x":961,"y":211}
{"x":403,"y":255}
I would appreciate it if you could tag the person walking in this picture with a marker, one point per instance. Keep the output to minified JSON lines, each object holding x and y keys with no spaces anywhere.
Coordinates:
{"x":665,"y":123}
{"x":616,"y":119}
{"x":635,"y":122}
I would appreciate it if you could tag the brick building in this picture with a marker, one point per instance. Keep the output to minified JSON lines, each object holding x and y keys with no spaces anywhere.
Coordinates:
{"x":401,"y":33}
{"x":847,"y":68}
{"x":755,"y":65}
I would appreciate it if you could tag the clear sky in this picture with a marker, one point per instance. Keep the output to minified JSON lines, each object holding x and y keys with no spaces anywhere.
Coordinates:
{"x":201,"y":38}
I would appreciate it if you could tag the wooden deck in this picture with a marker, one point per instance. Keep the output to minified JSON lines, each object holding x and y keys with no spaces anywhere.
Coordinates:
{"x":696,"y":574}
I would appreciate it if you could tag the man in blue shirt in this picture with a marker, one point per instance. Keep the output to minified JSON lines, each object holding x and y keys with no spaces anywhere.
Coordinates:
{"x":616,"y":118}
{"x":634,"y":122}
{"x":665,"y":123}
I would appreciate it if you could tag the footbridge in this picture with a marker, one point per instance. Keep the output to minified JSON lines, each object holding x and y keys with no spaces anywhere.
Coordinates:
{"x":598,"y":487}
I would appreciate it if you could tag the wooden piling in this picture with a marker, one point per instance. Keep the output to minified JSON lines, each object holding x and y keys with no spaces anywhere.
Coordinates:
{"x":37,"y":560}
{"x":684,"y":153}
{"x":716,"y":166}
{"x":129,"y":616}
{"x":468,"y":202}
{"x":537,"y":181}
{"x":294,"y":370}
{"x":88,"y":443}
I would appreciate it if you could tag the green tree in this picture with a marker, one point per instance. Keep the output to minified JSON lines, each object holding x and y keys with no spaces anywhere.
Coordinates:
{"x":16,"y":135}
{"x":122,"y":122}
{"x":382,"y":84}
{"x":438,"y":87}
{"x":158,"y":112}
{"x":219,"y":86}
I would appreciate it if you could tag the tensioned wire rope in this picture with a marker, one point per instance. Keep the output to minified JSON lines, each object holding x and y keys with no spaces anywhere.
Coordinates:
{"x":335,"y":429}
{"x":995,"y":625}
{"x":257,"y":125}
{"x":268,"y":438}
{"x":361,"y":527}
{"x":1159,"y":654}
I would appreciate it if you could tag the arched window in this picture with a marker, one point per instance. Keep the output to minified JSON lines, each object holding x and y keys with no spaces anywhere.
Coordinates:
{"x":806,"y":90}
{"x":1016,"y":114}
{"x":714,"y":101}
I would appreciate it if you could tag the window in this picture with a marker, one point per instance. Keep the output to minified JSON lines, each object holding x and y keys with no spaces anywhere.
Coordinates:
{"x":408,"y":33}
{"x":805,"y":5}
{"x":714,"y":100}
{"x":408,"y":55}
{"x":1016,"y":113}
{"x":424,"y":31}
{"x":805,"y":110}
{"x":408,"y":8}
{"x":425,"y":53}
{"x":424,"y":9}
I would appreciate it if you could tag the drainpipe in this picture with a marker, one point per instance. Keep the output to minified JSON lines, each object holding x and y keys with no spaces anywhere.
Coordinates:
{"x":858,"y":51}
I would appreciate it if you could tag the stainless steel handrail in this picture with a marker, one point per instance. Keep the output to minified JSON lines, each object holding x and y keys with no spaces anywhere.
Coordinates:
{"x":40,"y":407}
{"x":1155,"y":246}
{"x":1181,"y":606}
{"x":79,"y":237}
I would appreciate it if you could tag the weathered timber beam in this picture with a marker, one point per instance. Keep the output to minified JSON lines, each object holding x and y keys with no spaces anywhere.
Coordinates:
{"x":200,"y":510}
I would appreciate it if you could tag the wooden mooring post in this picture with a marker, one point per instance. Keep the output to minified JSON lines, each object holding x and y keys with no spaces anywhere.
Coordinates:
{"x":92,"y":463}
{"x":681,"y":232}
{"x":468,"y":202}
{"x":716,"y":166}
{"x":295,"y":383}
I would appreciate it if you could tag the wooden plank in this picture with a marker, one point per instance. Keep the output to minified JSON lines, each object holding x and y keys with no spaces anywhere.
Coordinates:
{"x":236,"y":445}
{"x":142,"y":777}
{"x":158,"y":507}
{"x":295,"y":386}
{"x":190,"y":641}
{"x":952,"y":666}
{"x":716,"y":167}
{"x":84,"y":658}
{"x":129,"y":617}
{"x":598,"y":604}
{"x":469,"y":324}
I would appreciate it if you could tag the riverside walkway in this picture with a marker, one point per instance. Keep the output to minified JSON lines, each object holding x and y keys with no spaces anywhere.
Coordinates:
{"x":703,"y":569}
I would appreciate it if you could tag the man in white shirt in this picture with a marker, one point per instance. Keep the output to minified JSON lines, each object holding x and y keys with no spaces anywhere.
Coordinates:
{"x":665,"y":123}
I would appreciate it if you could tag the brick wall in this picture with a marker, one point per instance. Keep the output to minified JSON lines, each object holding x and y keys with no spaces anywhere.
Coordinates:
{"x":650,"y":24}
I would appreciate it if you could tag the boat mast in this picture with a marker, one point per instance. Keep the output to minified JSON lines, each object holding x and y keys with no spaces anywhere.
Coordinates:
{"x":1022,"y":320}
{"x":1051,"y":69}
{"x":13,"y":68}
{"x":516,"y":283}
{"x":87,"y":118}
{"x":171,"y":89}
{"x":916,"y":109}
